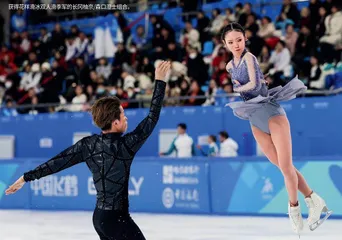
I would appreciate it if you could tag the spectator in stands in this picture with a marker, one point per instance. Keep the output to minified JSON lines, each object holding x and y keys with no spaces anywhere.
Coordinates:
{"x":34,"y":110}
{"x":123,"y":96}
{"x":9,"y":110}
{"x":91,"y":95}
{"x":264,"y":58}
{"x":320,"y":25}
{"x":101,"y":91}
{"x":184,"y":89}
{"x":60,"y":59}
{"x":327,"y":4}
{"x":315,"y":73}
{"x":139,"y":39}
{"x":174,"y":52}
{"x":51,"y":83}
{"x":190,"y":37}
{"x":10,"y":90}
{"x":122,"y":21}
{"x":196,"y":67}
{"x":217,"y":21}
{"x":31,"y":77}
{"x":251,"y":24}
{"x":158,"y":23}
{"x":213,"y":150}
{"x":146,"y":97}
{"x":228,"y":147}
{"x":188,"y":63}
{"x":280,"y":61}
{"x":43,"y":43}
{"x":27,"y":99}
{"x":71,"y":49}
{"x":6,"y":52}
{"x":289,"y":11}
{"x":128,"y":81}
{"x":18,"y":22}
{"x":90,"y":53}
{"x":238,"y":11}
{"x":121,"y":58}
{"x":220,"y":74}
{"x":25,"y":45}
{"x":333,"y":33}
{"x":81,"y":43}
{"x":221,"y":55}
{"x":291,"y":38}
{"x":32,"y":58}
{"x":104,"y":69}
{"x":230,"y":15}
{"x":211,"y":94}
{"x":314,"y":7}
{"x":6,"y":67}
{"x":78,"y":100}
{"x":94,"y":79}
{"x":58,"y":37}
{"x":145,"y":73}
{"x":254,"y":43}
{"x":74,"y":31}
{"x":195,"y":94}
{"x":183,"y":144}
{"x":203,"y":24}
{"x":304,"y":48}
{"x":81,"y":72}
{"x":305,"y":18}
{"x":146,"y":67}
{"x":266,"y":28}
{"x":132,"y":96}
{"x":165,"y":39}
{"x":247,"y":10}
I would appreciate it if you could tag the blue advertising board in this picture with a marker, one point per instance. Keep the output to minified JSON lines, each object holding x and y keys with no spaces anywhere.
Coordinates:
{"x":236,"y":186}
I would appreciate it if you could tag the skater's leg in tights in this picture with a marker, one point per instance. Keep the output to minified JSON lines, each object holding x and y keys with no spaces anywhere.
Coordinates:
{"x":267,"y":146}
{"x":281,"y":136}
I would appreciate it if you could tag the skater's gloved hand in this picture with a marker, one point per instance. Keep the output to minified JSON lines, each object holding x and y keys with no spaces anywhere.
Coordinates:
{"x":16,"y":186}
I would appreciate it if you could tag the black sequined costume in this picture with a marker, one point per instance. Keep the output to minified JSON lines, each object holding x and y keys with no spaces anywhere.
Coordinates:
{"x":109,"y":158}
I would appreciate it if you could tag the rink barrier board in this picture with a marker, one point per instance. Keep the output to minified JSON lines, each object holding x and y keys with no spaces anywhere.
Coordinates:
{"x":308,"y":138}
{"x":243,"y":186}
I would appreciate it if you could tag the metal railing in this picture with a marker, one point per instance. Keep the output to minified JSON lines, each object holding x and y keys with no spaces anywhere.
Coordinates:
{"x":173,"y":100}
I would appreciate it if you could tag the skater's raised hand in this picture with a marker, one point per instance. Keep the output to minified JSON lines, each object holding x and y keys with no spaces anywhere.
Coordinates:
{"x":16,"y":186}
{"x":162,"y":69}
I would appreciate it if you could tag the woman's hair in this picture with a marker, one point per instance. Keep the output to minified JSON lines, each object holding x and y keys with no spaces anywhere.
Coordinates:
{"x":232,"y":27}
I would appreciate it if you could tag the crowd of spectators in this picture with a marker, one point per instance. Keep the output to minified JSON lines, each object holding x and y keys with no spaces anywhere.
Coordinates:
{"x":59,"y":66}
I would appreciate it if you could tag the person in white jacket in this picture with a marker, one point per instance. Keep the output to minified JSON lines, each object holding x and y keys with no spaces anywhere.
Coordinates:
{"x":183,"y":144}
{"x":228,"y":147}
{"x":333,"y":26}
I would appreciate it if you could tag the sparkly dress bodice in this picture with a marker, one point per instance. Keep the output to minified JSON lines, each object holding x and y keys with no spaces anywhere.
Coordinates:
{"x":247,"y":72}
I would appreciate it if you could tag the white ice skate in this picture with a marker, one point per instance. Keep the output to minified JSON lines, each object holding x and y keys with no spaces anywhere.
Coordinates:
{"x":316,"y":207}
{"x":296,"y":218}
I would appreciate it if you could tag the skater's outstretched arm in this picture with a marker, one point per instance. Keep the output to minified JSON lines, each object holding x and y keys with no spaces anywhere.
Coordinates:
{"x":135,"y":139}
{"x":255,"y":80}
{"x":67,"y":158}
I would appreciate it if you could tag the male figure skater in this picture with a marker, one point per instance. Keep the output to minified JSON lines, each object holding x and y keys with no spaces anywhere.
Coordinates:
{"x":109,"y":156}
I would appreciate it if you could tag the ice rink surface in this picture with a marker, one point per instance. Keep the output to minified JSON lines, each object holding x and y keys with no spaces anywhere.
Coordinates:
{"x":44,"y":225}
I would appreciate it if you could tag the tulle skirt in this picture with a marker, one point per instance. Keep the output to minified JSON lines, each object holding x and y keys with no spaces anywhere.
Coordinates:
{"x":245,"y":109}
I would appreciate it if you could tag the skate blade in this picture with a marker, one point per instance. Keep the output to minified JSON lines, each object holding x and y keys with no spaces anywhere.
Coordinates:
{"x":315,"y":225}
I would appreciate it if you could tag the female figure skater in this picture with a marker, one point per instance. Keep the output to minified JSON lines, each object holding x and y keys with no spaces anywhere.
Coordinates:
{"x":109,"y":156}
{"x":270,"y":126}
